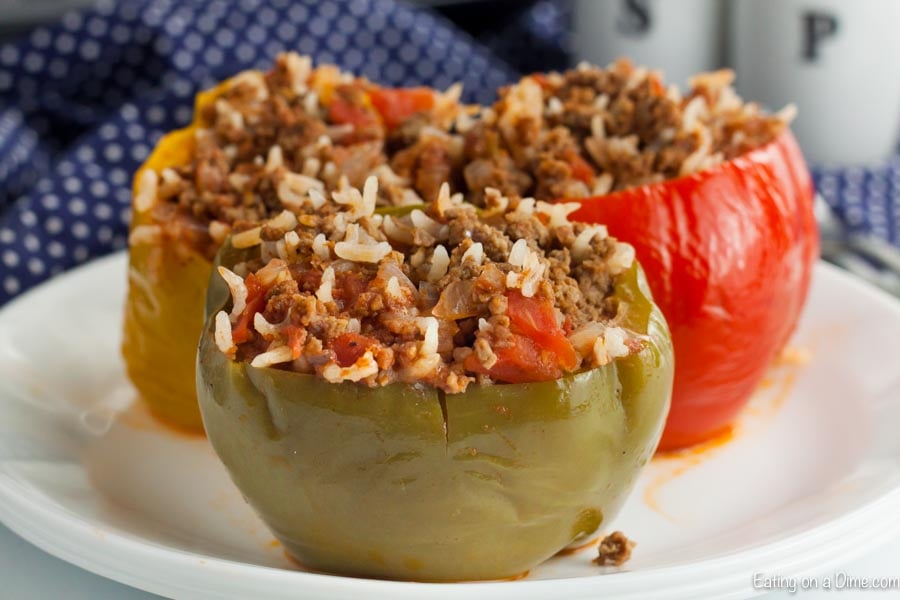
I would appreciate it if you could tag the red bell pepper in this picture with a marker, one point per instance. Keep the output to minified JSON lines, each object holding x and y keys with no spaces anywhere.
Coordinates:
{"x":728,"y":254}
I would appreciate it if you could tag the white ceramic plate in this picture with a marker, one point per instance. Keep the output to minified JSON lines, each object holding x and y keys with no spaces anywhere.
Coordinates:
{"x":810,"y":478}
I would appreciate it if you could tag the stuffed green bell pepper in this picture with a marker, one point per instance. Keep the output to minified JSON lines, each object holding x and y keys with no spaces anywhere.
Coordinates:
{"x":447,"y":394}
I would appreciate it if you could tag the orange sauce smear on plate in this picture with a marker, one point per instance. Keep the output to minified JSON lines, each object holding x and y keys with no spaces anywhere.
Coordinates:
{"x":783,"y":373}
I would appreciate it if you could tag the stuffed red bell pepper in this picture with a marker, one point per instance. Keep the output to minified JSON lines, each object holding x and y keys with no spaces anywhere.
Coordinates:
{"x":712,"y":192}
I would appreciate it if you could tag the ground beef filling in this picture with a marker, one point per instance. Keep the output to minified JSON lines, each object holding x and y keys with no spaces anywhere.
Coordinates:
{"x":614,"y":550}
{"x":284,"y":140}
{"x":443,"y":295}
{"x":287,"y":138}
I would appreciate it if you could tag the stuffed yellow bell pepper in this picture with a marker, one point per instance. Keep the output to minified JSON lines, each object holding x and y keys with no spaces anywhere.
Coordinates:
{"x":309,"y":128}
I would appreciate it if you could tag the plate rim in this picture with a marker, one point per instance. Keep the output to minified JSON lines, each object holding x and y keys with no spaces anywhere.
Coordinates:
{"x":53,"y":529}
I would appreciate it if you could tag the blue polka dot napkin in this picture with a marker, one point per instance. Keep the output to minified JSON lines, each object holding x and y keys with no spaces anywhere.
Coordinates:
{"x":867,"y":200}
{"x":83,"y":102}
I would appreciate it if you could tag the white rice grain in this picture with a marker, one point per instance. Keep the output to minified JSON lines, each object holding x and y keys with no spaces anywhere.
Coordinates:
{"x":247,"y":239}
{"x":518,"y":253}
{"x":294,"y":190}
{"x":525,"y":206}
{"x":320,"y":246}
{"x":311,"y":166}
{"x":394,"y":230}
{"x":253,"y":80}
{"x":238,"y":181}
{"x":223,"y":337}
{"x":275,"y":160}
{"x":437,"y":230}
{"x":532,"y":272}
{"x":598,"y":127}
{"x":475,"y":254}
{"x":364,"y":367}
{"x":325,"y":287}
{"x":695,"y":111}
{"x":281,"y":354}
{"x":581,"y":247}
{"x":276,"y":271}
{"x":603,"y":184}
{"x":558,"y":212}
{"x":218,"y":231}
{"x":238,"y":290}
{"x":145,"y":193}
{"x":440,"y":262}
{"x":609,"y":346}
{"x":299,"y":69}
{"x":358,"y":246}
{"x":554,"y":106}
{"x":228,"y":114}
{"x":621,"y":259}
{"x":393,"y":288}
{"x":292,"y":242}
{"x":145,"y":235}
{"x":584,"y":338}
{"x":266,"y":329}
{"x":360,"y":204}
{"x":284,"y":221}
{"x":429,"y":328}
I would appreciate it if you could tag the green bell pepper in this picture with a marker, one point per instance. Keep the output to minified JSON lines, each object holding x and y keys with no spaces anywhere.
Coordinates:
{"x":407,"y":482}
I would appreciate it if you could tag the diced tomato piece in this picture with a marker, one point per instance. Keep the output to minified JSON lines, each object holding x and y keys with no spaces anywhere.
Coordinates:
{"x":349,"y":347}
{"x":581,"y":169}
{"x":256,"y":301}
{"x":536,"y":319}
{"x":396,"y":105}
{"x":296,"y":336}
{"x":522,"y":362}
{"x":341,"y":112}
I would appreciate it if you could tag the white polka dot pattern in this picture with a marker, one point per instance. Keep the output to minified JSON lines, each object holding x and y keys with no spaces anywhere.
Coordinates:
{"x":83,"y":102}
{"x":867,"y":200}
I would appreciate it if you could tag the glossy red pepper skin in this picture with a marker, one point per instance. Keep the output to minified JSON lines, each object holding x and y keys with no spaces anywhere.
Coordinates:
{"x":728,"y":254}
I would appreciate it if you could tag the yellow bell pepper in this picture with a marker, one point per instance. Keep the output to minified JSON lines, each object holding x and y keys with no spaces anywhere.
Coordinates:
{"x":166,"y":295}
